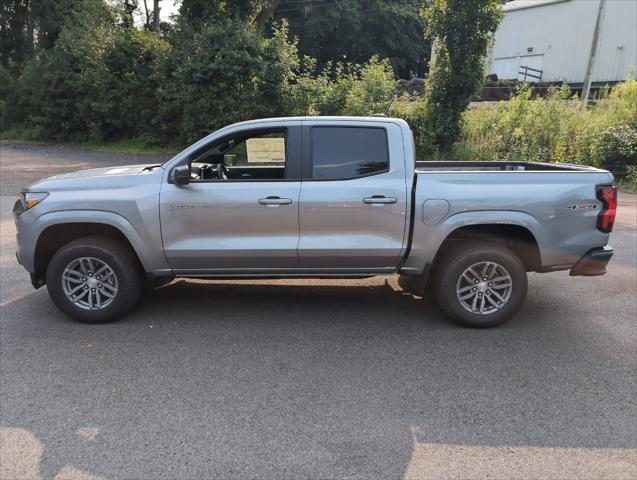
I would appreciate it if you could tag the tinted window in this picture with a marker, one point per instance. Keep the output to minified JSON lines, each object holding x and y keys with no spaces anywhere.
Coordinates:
{"x":341,"y":152}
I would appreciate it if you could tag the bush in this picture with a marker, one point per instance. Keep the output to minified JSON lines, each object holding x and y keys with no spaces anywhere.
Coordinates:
{"x":618,"y":149}
{"x":517,"y":130}
{"x":413,"y":111}
{"x":99,"y":81}
{"x":127,"y":103}
{"x":62,"y":88}
{"x":223,"y":73}
{"x":630,"y":180}
{"x":555,"y":129}
{"x":373,"y":91}
{"x":342,"y":89}
{"x":8,"y":111}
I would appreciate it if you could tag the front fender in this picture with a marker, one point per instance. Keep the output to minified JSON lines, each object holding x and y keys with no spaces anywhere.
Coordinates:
{"x":148,"y":249}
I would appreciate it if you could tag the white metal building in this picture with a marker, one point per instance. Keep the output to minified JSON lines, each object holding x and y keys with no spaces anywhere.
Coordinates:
{"x":554,"y":38}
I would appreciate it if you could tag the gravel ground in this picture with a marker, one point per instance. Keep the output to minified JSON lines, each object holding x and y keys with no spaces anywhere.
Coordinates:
{"x":314,"y":379}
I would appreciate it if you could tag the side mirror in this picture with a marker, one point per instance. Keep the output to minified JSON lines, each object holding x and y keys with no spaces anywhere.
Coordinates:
{"x":180,"y":175}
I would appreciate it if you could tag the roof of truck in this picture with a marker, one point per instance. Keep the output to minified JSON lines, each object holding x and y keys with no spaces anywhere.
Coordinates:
{"x":378,"y":119}
{"x":398,"y":121}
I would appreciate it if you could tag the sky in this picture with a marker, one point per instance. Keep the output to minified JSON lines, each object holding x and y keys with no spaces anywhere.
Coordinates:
{"x":168,"y":8}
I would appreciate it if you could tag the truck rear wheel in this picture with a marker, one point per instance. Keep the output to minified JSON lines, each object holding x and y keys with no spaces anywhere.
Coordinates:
{"x":94,"y":279}
{"x":480,"y":284}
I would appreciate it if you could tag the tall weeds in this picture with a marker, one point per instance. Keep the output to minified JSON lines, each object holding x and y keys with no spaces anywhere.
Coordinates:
{"x":555,"y":129}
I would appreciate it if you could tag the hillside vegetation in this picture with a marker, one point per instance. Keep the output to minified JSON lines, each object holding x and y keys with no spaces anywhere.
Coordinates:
{"x":96,"y":77}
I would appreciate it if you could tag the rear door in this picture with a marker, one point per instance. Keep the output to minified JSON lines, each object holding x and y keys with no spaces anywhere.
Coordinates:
{"x":353,"y":201}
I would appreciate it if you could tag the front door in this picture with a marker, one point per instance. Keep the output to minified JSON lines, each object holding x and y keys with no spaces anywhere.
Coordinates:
{"x":239,"y":213}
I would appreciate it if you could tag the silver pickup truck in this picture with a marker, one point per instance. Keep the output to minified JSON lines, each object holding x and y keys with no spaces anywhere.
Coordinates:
{"x":315,"y":197}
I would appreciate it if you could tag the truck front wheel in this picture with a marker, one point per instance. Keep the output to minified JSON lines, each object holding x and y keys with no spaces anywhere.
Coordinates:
{"x":94,"y":279}
{"x":480,"y":284}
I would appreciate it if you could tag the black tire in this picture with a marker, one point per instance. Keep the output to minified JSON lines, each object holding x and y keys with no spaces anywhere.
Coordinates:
{"x":456,"y":261}
{"x":118,"y":257}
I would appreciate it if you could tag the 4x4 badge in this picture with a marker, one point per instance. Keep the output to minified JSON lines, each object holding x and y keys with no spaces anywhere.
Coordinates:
{"x":583,"y":206}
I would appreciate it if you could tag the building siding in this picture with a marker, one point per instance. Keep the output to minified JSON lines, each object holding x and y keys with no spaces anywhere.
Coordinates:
{"x":560,"y":35}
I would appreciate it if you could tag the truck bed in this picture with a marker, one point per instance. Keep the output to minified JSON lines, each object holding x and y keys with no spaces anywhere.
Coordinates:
{"x":453,"y":166}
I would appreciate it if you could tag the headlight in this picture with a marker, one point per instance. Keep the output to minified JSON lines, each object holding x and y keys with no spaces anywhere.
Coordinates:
{"x":31,"y":199}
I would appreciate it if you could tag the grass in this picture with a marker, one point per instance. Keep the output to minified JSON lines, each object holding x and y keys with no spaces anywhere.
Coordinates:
{"x":129,"y":146}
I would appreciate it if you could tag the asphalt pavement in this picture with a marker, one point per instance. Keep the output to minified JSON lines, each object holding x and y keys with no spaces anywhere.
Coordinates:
{"x":314,"y":379}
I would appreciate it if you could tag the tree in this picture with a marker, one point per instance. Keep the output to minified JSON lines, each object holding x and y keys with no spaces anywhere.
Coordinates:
{"x":128,"y":11}
{"x":354,"y":30}
{"x":15,"y":45}
{"x":461,"y":31}
{"x":99,"y":81}
{"x":50,"y":16}
{"x":222,"y":73}
{"x":266,"y":12}
{"x":156,"y":16}
{"x":24,"y":21}
{"x":197,"y":12}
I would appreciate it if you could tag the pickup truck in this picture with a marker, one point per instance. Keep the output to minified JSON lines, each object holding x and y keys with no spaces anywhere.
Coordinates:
{"x":326,"y":197}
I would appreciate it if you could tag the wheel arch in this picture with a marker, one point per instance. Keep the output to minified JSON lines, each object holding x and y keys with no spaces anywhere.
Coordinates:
{"x":517,"y":238}
{"x":56,"y":235}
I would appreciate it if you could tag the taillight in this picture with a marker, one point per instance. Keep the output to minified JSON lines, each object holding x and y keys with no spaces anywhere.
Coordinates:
{"x":606,"y":218}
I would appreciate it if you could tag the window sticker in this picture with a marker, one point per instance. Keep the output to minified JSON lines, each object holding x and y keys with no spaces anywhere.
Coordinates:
{"x":266,"y":150}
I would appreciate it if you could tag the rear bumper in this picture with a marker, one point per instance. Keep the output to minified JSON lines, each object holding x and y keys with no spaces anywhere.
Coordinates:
{"x":593,"y":263}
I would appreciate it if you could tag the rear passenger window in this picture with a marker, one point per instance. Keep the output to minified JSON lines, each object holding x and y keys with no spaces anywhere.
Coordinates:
{"x":348,"y":152}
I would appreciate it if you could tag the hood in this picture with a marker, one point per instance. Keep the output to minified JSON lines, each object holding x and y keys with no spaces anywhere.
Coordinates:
{"x":105,"y":172}
{"x":111,"y":177}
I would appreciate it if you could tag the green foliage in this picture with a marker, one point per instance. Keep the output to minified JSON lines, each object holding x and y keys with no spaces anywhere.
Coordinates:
{"x":352,"y":31}
{"x":461,"y":31}
{"x":97,"y":78}
{"x":311,"y":93}
{"x":7,"y":96}
{"x":413,"y":111}
{"x":50,"y":16}
{"x":226,"y":72}
{"x":128,"y":97}
{"x":556,"y":129}
{"x":630,"y":180}
{"x":58,"y":88}
{"x":617,"y":148}
{"x":16,"y":40}
{"x":355,"y":90}
{"x":373,"y":91}
{"x":29,"y":24}
{"x":519,"y":129}
{"x":196,"y":13}
{"x":98,"y":81}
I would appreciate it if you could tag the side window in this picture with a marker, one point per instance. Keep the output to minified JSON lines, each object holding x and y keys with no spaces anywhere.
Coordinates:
{"x":261,"y":156}
{"x":348,"y":152}
{"x":261,"y":150}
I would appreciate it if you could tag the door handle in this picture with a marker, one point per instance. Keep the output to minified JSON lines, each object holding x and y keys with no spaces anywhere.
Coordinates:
{"x":380,"y":199}
{"x":275,"y":201}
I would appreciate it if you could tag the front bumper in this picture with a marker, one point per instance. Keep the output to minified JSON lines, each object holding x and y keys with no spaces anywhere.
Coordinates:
{"x":593,"y":263}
